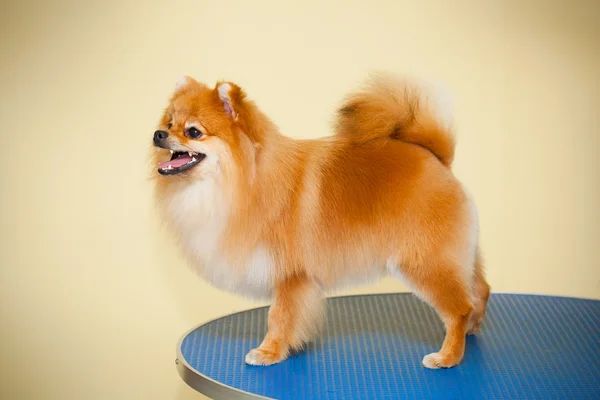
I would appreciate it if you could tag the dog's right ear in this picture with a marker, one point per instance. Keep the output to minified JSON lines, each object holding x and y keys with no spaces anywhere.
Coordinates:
{"x":184,"y":82}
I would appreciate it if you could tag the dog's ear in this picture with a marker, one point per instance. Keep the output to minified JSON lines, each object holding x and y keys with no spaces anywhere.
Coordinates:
{"x":231,"y":96}
{"x":184,"y":82}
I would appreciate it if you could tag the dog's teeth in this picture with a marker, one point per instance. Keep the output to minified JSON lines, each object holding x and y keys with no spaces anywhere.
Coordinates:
{"x":190,"y":153}
{"x":193,"y":159}
{"x":169,"y":167}
{"x":171,"y":151}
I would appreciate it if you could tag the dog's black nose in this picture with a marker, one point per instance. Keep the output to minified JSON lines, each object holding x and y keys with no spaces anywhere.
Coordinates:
{"x":160,"y":136}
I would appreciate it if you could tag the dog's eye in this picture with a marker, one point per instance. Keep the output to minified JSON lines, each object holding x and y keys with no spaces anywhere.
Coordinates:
{"x":169,"y":125}
{"x":194,"y":133}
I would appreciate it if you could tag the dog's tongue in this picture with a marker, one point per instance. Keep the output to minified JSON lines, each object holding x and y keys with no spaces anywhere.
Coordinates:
{"x":176,"y":163}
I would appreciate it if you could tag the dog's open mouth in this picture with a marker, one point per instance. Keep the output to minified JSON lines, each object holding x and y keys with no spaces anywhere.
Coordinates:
{"x":180,"y":161}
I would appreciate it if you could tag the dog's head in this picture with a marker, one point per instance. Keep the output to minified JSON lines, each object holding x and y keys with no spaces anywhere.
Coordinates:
{"x":204,"y":131}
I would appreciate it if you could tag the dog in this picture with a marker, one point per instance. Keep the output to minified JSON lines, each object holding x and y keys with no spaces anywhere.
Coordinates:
{"x":266,"y":216}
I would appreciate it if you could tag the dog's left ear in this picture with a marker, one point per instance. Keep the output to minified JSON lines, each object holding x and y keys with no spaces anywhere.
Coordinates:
{"x":231,"y":97}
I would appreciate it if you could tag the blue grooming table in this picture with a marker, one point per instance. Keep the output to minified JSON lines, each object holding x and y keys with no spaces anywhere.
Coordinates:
{"x":530,"y":347}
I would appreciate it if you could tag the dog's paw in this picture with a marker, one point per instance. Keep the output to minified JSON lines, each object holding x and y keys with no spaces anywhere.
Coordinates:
{"x":437,"y":361}
{"x":264,"y":358}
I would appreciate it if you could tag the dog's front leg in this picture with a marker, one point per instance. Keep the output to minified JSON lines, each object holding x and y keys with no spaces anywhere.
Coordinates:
{"x":294,"y":319}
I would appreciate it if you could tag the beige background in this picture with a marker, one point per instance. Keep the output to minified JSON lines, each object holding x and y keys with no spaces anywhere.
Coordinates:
{"x":93,"y":294}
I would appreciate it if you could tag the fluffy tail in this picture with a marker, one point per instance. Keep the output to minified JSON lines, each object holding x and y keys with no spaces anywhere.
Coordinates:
{"x":389,"y":107}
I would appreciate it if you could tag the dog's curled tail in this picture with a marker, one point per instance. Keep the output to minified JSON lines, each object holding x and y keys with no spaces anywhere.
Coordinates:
{"x":400,"y":109}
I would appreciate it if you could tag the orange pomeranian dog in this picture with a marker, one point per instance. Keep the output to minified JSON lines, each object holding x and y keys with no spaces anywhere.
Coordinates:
{"x":266,"y":216}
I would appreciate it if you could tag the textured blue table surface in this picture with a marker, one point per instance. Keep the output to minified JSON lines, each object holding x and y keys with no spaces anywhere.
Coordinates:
{"x":530,"y":347}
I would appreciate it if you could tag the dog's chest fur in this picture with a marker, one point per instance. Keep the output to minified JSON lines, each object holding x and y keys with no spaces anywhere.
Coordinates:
{"x":198,"y":213}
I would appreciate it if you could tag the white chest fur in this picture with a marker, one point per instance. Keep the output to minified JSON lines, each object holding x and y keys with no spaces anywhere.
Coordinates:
{"x":198,"y":214}
{"x":250,"y":278}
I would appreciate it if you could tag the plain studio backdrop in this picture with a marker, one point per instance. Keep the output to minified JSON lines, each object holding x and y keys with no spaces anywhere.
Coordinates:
{"x":93,"y":293}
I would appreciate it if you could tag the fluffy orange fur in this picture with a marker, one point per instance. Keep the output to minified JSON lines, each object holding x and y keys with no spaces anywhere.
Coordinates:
{"x":267,"y":216}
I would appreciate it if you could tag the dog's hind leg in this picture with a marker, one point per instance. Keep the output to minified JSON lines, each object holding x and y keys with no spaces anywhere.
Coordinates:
{"x":443,"y":284}
{"x":481,"y":294}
